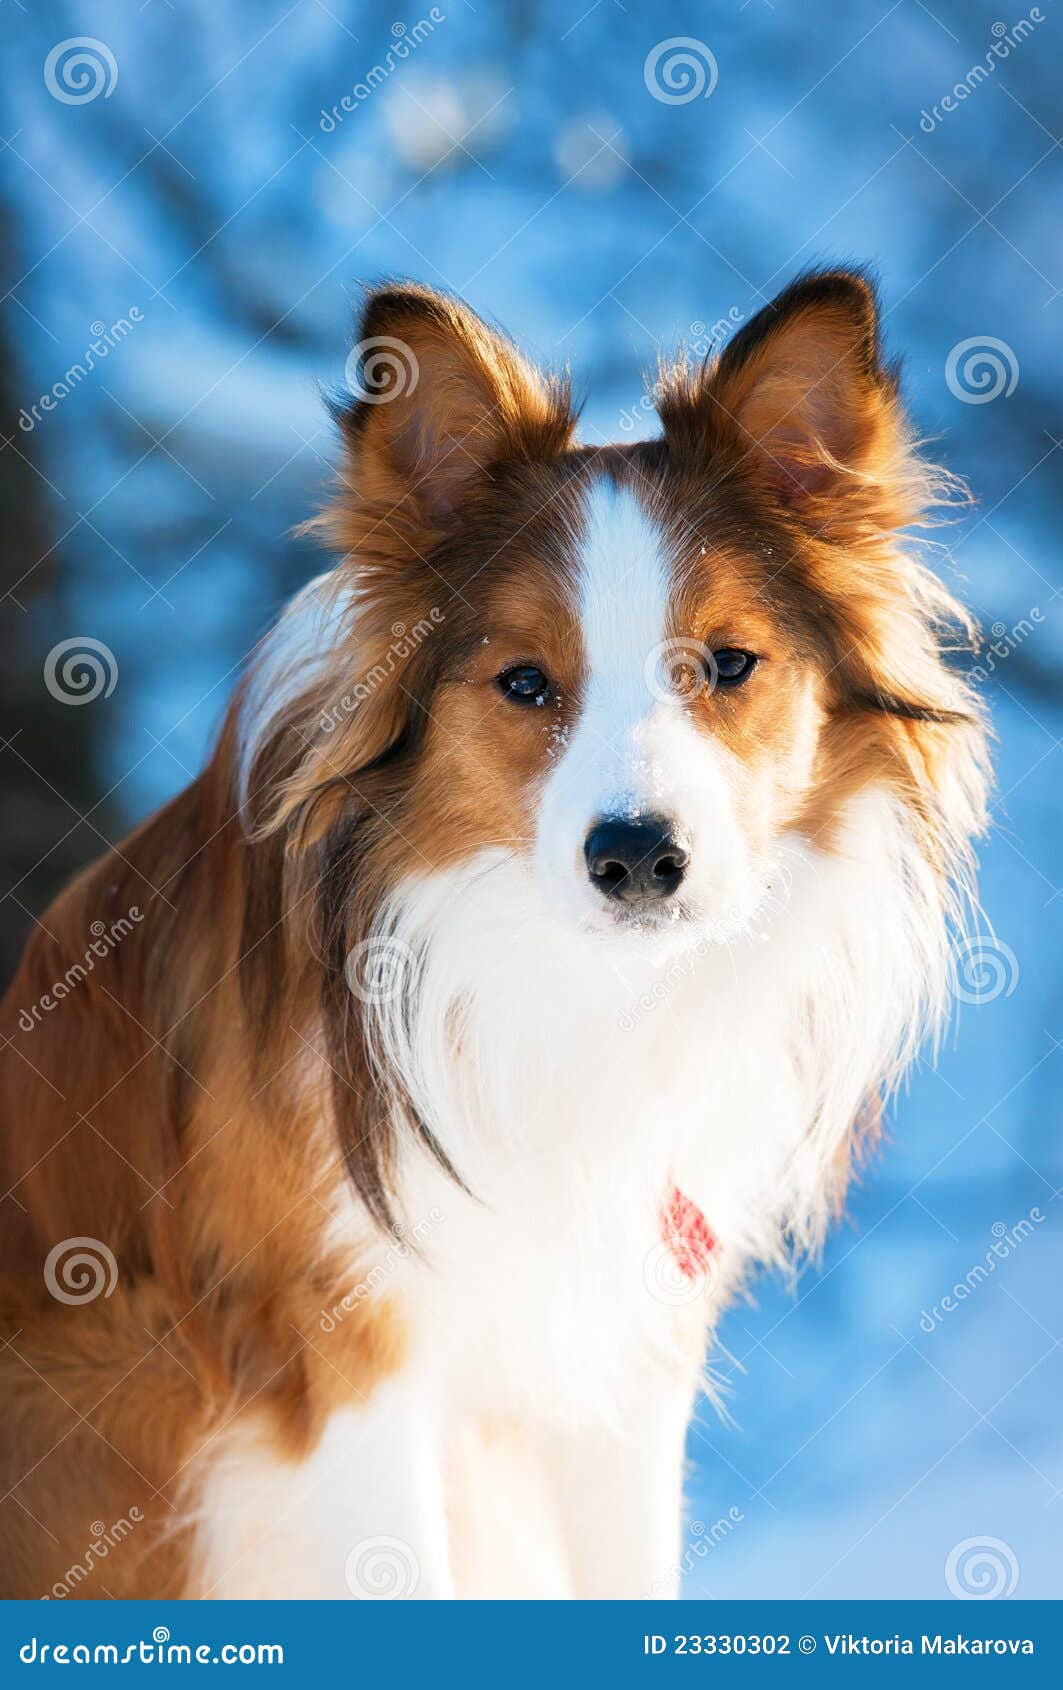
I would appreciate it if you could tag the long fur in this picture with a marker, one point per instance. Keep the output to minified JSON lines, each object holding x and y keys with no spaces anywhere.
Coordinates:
{"x":254,"y":1116}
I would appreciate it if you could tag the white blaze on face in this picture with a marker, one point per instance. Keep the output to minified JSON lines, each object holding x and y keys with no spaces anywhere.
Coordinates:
{"x":635,"y":752}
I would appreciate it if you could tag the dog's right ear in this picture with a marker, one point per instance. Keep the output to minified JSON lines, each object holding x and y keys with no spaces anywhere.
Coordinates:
{"x":437,"y":400}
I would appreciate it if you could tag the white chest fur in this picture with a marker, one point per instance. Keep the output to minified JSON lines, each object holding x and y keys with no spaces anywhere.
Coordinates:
{"x":571,"y":1084}
{"x":572,"y":1080}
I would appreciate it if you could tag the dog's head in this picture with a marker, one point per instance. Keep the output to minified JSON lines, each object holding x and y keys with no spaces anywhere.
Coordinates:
{"x":559,"y":699}
{"x":634,"y":669}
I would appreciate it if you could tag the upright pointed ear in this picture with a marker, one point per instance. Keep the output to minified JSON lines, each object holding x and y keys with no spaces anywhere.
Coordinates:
{"x":801,"y":400}
{"x":438,"y":401}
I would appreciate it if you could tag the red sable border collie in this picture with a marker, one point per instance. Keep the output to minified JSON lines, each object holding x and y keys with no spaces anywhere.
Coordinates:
{"x":576,"y":871}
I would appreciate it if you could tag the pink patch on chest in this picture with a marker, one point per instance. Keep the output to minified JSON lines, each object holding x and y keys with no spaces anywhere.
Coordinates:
{"x":687,"y":1233}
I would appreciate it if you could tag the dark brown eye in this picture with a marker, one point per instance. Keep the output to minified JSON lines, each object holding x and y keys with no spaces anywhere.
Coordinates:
{"x":525,"y":684}
{"x":732,"y":666}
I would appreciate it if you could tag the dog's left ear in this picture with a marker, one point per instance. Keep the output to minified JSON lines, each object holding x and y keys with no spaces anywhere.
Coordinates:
{"x":800,"y":399}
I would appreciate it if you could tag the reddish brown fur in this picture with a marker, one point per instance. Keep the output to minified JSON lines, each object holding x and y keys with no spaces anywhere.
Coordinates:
{"x":172,"y":1105}
{"x":205,"y":1179}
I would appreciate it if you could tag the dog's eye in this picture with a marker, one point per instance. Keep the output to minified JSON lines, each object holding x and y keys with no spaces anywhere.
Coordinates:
{"x":733,"y":666}
{"x":525,"y":683}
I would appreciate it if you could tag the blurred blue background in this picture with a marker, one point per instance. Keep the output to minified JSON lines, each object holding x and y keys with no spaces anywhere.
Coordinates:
{"x":215,"y":194}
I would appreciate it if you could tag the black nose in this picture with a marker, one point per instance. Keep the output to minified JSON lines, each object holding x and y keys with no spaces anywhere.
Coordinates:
{"x":635,"y":861}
